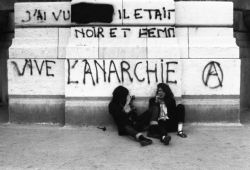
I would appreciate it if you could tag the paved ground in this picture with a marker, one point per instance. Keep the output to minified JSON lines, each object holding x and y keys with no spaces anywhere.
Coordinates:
{"x":54,"y":147}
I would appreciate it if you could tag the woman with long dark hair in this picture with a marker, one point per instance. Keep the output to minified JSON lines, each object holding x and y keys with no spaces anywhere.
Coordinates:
{"x":167,"y":116}
{"x":125,"y":116}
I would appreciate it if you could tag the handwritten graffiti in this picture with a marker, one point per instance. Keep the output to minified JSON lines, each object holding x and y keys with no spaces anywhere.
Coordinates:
{"x":41,"y":15}
{"x":151,"y":14}
{"x":110,"y":71}
{"x":113,"y":32}
{"x":66,"y":16}
{"x":38,"y":14}
{"x":34,"y":65}
{"x":212,"y":75}
{"x":154,"y":32}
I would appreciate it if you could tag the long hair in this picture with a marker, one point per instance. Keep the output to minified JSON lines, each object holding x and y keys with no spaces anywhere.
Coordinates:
{"x":120,"y":95}
{"x":167,"y":90}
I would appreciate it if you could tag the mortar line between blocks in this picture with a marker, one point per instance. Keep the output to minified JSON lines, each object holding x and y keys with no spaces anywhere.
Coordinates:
{"x":146,"y":45}
{"x":188,"y":41}
{"x":122,"y":12}
{"x":58,"y":36}
{"x":98,"y":48}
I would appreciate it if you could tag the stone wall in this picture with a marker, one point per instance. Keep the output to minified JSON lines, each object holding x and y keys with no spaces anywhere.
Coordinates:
{"x":64,"y":72}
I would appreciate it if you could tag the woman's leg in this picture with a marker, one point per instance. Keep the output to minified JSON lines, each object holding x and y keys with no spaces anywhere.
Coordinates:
{"x":180,"y":112}
{"x":163,"y":128}
{"x":180,"y":119}
{"x":138,"y":136}
{"x":131,"y":131}
{"x":143,"y":120}
{"x":153,"y":130}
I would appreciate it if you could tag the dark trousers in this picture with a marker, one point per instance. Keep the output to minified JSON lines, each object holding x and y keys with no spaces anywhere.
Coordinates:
{"x":171,"y":125}
{"x":141,"y":123}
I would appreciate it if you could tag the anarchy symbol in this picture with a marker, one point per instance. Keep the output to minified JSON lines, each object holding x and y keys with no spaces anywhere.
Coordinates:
{"x":212,"y":75}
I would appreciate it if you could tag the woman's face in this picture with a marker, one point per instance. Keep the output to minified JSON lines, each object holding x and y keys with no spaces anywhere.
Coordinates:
{"x":160,"y":93}
{"x":128,"y":98}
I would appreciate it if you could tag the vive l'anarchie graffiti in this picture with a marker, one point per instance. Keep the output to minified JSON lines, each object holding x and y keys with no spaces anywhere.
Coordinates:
{"x":42,"y":67}
{"x":111,"y":71}
{"x":98,"y":71}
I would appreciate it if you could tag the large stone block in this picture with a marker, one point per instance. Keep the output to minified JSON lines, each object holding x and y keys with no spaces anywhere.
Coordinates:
{"x":122,"y":48}
{"x":82,"y":111}
{"x":82,"y":48}
{"x":182,"y":39}
{"x":211,"y":77}
{"x":42,"y":13}
{"x":63,"y":40}
{"x":204,"y":13}
{"x":34,"y":43}
{"x":213,"y":32}
{"x":36,"y":33}
{"x":163,"y":48}
{"x":212,"y":42}
{"x":36,"y":77}
{"x":212,"y":109}
{"x":162,"y":42}
{"x":213,"y":47}
{"x":33,"y":48}
{"x":37,"y":109}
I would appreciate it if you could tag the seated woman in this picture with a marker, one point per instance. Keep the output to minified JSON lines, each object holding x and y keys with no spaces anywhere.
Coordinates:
{"x":167,"y":117}
{"x":125,"y":117}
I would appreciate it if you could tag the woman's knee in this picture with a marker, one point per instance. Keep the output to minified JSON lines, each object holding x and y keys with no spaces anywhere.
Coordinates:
{"x":180,"y":108}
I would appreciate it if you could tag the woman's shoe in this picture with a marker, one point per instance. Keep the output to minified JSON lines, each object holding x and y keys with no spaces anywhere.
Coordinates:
{"x":145,"y":141}
{"x":165,"y":139}
{"x":181,"y":134}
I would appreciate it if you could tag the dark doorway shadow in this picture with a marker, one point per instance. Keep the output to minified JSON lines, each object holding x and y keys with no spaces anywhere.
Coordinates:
{"x":4,"y":113}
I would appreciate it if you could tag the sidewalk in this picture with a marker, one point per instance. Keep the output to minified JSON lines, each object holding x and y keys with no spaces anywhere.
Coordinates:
{"x":53,"y":147}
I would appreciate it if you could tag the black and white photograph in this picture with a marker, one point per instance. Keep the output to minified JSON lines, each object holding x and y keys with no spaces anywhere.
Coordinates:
{"x":124,"y":84}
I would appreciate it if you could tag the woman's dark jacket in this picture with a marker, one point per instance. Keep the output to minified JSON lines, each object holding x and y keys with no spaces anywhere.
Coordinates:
{"x":170,"y":104}
{"x":121,"y":118}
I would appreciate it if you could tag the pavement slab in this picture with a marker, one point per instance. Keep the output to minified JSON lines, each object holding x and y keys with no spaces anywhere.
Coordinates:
{"x":41,"y":147}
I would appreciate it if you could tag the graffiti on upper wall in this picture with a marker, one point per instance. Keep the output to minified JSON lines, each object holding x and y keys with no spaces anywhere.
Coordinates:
{"x":41,"y":15}
{"x":31,"y":66}
{"x":114,"y":32}
{"x":150,"y":14}
{"x":212,"y":75}
{"x":85,"y":12}
{"x":92,"y":71}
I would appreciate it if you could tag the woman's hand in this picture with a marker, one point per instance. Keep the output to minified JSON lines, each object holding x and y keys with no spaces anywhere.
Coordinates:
{"x":127,"y":108}
{"x":157,"y":99}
